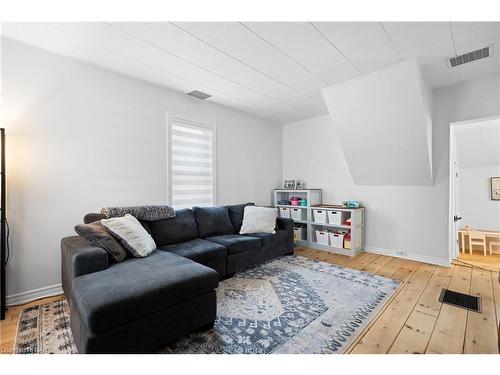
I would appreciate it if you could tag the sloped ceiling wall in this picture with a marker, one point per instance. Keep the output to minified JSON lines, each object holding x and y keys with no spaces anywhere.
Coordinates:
{"x":384,"y":123}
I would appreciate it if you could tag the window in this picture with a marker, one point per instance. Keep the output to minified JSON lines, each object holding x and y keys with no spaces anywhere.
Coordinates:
{"x":191,"y":163}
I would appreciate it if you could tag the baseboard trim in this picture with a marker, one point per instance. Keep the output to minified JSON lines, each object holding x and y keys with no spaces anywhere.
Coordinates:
{"x":31,"y":295}
{"x":409,"y":256}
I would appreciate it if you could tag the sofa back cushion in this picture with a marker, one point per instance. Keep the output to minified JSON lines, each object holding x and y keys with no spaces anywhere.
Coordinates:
{"x":181,"y":228}
{"x":236,"y":215}
{"x":213,"y":221}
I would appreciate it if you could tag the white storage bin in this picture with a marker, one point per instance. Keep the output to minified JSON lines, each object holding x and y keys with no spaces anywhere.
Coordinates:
{"x":298,"y":213}
{"x":336,"y":239}
{"x":285,"y":212}
{"x":322,"y":237}
{"x":337,"y":217}
{"x":319,"y":216}
{"x":298,"y":233}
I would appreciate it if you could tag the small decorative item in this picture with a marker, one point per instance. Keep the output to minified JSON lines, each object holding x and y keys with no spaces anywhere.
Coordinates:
{"x":301,"y":185}
{"x":303,"y":202}
{"x":289,"y":184}
{"x":351,"y":204}
{"x":295,"y":201}
{"x":495,"y":188}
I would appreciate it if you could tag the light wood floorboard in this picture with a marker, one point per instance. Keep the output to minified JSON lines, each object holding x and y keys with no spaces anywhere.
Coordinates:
{"x":412,"y":321}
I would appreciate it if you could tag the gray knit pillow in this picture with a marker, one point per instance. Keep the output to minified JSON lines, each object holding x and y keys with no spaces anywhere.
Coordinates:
{"x":99,"y":236}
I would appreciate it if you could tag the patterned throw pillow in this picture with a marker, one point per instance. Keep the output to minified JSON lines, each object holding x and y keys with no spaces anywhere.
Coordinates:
{"x":131,"y":234}
{"x":98,"y":236}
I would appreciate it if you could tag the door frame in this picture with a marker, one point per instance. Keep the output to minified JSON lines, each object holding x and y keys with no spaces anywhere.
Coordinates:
{"x":453,"y":250}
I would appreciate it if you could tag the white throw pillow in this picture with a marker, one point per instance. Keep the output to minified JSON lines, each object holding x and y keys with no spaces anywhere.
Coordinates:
{"x":131,"y":234}
{"x":259,"y":220}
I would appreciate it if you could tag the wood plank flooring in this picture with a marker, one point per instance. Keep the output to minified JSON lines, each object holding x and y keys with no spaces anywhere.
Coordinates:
{"x":413,"y":321}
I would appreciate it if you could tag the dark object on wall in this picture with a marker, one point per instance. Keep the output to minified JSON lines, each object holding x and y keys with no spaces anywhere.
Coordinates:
{"x":3,"y":239}
{"x":495,"y":188}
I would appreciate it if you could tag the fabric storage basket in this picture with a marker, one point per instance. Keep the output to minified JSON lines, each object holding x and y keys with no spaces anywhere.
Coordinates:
{"x":298,"y":233}
{"x":319,"y":216}
{"x":297,"y":213}
{"x":337,"y":217}
{"x":322,"y":237}
{"x":336,"y":240}
{"x":285,"y":212}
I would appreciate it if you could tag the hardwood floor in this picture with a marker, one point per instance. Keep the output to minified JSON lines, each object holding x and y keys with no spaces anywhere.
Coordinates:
{"x":413,"y":321}
{"x":478,"y":259}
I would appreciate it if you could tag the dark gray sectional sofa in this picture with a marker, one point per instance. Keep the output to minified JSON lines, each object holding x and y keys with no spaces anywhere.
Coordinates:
{"x":142,"y":304}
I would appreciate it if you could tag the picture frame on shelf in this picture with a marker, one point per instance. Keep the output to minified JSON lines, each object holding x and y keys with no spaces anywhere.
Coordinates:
{"x":289,"y":184}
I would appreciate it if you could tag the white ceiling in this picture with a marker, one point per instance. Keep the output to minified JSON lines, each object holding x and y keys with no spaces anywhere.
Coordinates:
{"x":478,"y":144}
{"x":271,"y":69}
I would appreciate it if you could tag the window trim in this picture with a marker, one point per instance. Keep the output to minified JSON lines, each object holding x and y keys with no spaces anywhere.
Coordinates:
{"x":189,"y":121}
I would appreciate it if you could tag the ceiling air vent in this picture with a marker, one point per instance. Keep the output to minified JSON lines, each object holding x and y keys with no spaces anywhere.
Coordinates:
{"x":198,"y":94}
{"x":468,"y":57}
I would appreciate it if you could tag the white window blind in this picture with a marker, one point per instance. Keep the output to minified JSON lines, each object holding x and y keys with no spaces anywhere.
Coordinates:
{"x":191,"y":163}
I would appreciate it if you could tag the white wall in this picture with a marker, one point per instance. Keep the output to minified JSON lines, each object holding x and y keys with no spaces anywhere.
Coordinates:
{"x":412,"y":219}
{"x":383,"y":122}
{"x":476,"y":207}
{"x":80,"y":138}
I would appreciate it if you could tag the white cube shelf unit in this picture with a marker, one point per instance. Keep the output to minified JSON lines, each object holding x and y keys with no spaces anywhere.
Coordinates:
{"x":337,"y":215}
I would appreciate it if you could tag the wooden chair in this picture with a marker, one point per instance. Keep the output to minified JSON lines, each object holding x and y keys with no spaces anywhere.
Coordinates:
{"x":493,"y":243}
{"x":477,"y":238}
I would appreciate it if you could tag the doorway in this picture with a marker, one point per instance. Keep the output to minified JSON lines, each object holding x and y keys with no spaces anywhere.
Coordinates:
{"x":474,"y":211}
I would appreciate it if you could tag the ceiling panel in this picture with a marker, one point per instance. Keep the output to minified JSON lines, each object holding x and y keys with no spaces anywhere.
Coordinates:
{"x":474,"y":35}
{"x":41,"y":36}
{"x":109,"y":38}
{"x":365,"y":44}
{"x":269,"y":30}
{"x":308,"y":85}
{"x":338,"y":73}
{"x":239,"y":42}
{"x":288,"y":72}
{"x":414,"y":39}
{"x":271,"y":87}
{"x":174,"y":40}
{"x":304,"y":44}
{"x":205,"y":30}
{"x":73,"y":28}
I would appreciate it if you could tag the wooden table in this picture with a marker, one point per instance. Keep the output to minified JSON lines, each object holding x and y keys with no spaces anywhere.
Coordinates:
{"x":487,"y":233}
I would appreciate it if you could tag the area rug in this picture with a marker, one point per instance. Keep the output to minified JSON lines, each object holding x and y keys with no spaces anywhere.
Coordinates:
{"x":288,"y":305}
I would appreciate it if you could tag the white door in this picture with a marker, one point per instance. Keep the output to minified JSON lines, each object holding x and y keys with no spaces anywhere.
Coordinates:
{"x":456,"y":209}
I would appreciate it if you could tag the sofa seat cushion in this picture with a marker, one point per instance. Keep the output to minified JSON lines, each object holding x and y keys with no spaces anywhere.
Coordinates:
{"x":178,"y":229}
{"x":199,"y":250}
{"x":235,"y":243}
{"x":271,"y":240}
{"x":138,"y":287}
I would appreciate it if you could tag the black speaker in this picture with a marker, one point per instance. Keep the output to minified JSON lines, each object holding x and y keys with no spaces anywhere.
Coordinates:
{"x":3,"y":227}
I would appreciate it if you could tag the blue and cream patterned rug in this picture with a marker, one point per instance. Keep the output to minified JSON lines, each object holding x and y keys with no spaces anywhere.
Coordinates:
{"x":289,"y":305}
